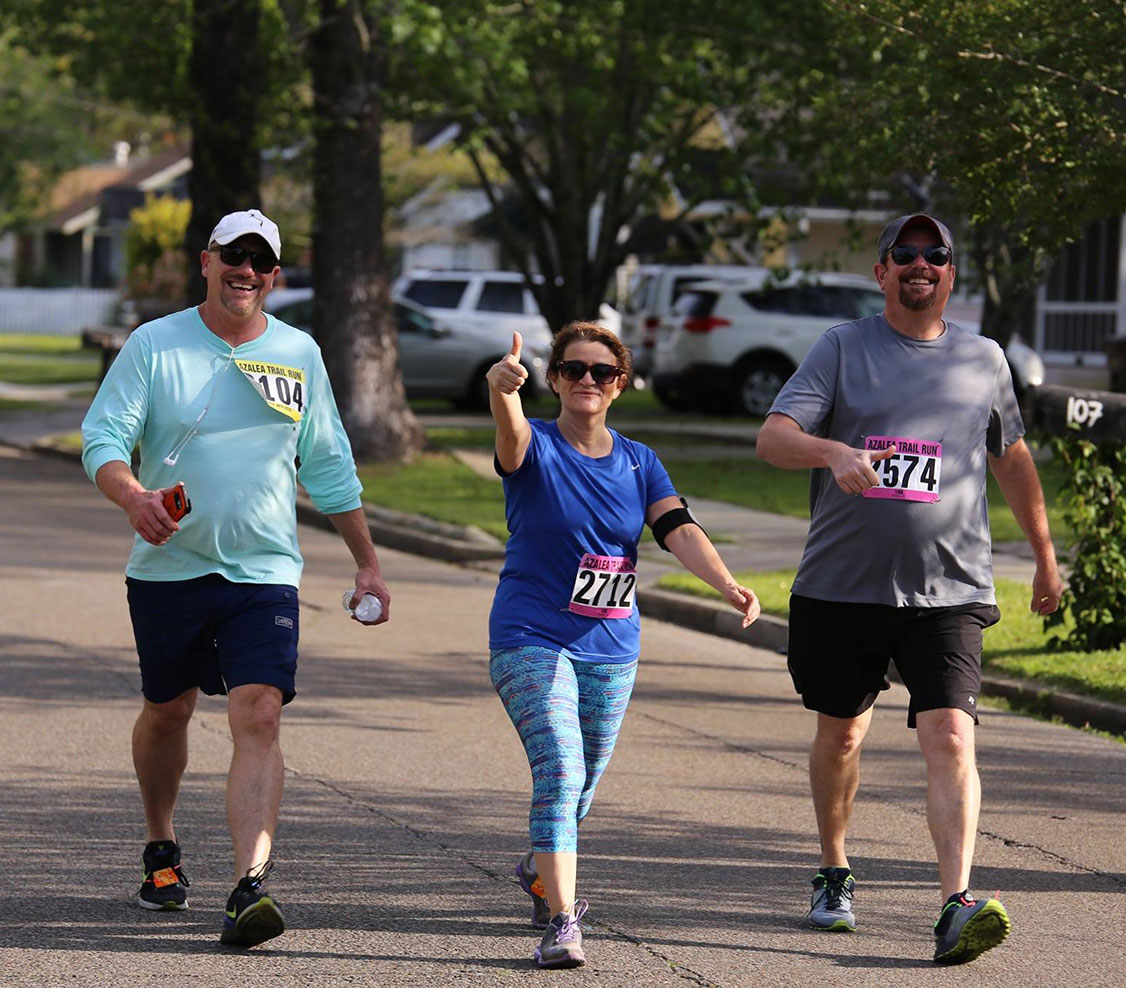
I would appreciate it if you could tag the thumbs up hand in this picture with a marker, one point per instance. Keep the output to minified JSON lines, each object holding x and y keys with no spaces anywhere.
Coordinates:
{"x":508,"y":375}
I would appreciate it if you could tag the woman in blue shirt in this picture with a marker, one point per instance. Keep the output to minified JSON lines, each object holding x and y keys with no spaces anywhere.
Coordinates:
{"x":564,"y":633}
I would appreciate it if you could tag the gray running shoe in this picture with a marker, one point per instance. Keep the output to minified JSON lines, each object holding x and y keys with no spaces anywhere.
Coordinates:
{"x":530,"y":883}
{"x":562,"y":944}
{"x":968,"y":927}
{"x":831,"y":906}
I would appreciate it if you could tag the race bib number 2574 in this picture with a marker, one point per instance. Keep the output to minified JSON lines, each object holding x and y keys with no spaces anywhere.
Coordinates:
{"x":912,"y":473}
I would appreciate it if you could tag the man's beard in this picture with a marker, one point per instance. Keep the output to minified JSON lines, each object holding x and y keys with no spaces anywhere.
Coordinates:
{"x":916,"y":303}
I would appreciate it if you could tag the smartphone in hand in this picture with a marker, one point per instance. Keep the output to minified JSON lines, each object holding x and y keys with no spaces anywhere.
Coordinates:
{"x":176,"y":502}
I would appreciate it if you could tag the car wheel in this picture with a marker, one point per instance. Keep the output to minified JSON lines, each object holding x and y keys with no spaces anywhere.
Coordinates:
{"x":756,"y":384}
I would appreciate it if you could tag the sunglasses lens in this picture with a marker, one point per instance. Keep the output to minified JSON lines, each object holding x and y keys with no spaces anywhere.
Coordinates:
{"x":575,"y":370}
{"x":235,"y":257}
{"x":936,"y":256}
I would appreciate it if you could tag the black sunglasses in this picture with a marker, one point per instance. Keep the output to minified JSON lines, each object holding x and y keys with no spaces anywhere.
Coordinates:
{"x":575,"y":370}
{"x":905,"y":254}
{"x":262,"y":261}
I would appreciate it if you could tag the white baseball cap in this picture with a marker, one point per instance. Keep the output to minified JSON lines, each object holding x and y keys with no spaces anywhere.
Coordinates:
{"x":235,"y":225}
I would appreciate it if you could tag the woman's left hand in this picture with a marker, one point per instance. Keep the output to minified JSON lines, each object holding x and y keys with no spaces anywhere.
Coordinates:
{"x":745,"y":600}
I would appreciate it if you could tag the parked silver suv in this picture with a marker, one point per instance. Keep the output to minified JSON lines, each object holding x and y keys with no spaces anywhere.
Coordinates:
{"x":438,"y":358}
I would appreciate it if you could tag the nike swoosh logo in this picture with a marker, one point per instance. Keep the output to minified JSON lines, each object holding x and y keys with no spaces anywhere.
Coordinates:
{"x":635,"y":466}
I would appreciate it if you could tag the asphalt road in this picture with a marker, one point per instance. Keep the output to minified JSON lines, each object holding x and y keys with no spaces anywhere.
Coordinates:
{"x":406,"y":803}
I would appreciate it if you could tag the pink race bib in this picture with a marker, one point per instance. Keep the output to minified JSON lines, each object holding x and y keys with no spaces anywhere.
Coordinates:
{"x":912,"y":474}
{"x":604,"y":587}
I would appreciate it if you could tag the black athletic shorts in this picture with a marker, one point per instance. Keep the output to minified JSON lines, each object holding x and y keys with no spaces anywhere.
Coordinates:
{"x":839,"y":654}
{"x":214,"y":634}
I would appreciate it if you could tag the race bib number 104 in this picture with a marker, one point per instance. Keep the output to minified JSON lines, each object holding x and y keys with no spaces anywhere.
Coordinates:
{"x":280,"y":387}
{"x":912,"y":473}
{"x":604,"y":587}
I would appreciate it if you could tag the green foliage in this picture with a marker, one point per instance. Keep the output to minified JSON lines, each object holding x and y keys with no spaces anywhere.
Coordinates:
{"x":1008,"y":113}
{"x":1095,"y":507}
{"x":593,"y":109}
{"x":152,"y":247}
{"x":41,"y":130}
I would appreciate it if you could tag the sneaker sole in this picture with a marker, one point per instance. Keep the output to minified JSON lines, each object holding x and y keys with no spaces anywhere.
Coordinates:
{"x":258,"y":923}
{"x":839,"y":926}
{"x":988,"y":929}
{"x":162,"y":906}
{"x":561,"y":963}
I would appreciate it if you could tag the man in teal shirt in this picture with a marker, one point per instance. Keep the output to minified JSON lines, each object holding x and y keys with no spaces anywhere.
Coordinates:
{"x":237,"y":406}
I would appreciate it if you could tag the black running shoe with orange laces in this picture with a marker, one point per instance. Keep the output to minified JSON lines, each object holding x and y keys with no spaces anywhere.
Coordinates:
{"x":163,"y":883}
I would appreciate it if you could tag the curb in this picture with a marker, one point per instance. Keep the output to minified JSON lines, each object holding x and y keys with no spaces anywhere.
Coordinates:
{"x":457,"y":544}
{"x":415,"y":534}
{"x":771,"y":633}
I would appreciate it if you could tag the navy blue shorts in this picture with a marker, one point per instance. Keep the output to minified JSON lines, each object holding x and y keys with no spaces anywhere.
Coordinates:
{"x":214,"y":634}
{"x":839,"y":654}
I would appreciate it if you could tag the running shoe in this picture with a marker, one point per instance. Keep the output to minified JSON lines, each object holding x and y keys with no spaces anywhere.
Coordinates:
{"x":831,"y":906}
{"x":252,"y":916}
{"x":163,"y":883}
{"x":968,"y":927}
{"x":562,"y":944}
{"x":530,"y":883}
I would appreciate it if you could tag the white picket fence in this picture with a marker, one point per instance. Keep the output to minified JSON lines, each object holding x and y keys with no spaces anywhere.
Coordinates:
{"x":56,"y":311}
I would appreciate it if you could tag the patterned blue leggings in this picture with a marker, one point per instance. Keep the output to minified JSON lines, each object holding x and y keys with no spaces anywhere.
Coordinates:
{"x":568,"y":715}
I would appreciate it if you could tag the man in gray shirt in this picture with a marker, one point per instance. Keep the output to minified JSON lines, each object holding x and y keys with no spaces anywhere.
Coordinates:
{"x":897,"y":415}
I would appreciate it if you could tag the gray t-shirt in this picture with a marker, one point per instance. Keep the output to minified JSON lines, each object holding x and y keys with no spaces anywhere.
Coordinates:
{"x":922,"y":538}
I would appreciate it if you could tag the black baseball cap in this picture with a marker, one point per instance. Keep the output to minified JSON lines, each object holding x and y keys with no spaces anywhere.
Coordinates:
{"x":894,"y":228}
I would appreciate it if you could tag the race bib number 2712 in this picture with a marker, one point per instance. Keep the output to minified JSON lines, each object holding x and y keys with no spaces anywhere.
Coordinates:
{"x":912,"y":473}
{"x":604,"y":587}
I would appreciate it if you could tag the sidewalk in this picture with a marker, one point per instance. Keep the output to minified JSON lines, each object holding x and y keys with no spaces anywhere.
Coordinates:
{"x":747,"y":540}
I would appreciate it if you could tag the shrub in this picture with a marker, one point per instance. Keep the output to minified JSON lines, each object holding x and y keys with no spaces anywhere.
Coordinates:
{"x":154,"y":248}
{"x":1094,"y":495}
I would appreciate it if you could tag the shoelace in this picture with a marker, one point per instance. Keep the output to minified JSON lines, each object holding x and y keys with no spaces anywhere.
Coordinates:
{"x":570,"y":930}
{"x":835,"y":890}
{"x":256,"y":875}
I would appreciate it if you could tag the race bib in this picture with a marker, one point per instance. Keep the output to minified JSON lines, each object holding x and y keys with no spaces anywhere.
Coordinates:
{"x":604,"y":587}
{"x":912,"y":474}
{"x":280,"y":387}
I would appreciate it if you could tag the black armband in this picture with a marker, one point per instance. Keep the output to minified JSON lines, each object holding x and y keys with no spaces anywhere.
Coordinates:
{"x":671,"y":520}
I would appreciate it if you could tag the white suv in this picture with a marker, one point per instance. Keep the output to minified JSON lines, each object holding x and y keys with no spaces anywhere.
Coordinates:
{"x":731,"y":345}
{"x":497,"y":299}
{"x":653,"y":291}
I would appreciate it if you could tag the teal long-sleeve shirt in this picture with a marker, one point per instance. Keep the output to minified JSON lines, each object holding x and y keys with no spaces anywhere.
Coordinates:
{"x":269,"y":406}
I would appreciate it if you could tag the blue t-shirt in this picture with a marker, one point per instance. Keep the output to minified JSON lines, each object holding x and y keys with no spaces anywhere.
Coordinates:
{"x":560,"y":506}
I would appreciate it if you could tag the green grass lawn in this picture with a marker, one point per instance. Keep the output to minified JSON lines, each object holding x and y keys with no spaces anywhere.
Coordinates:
{"x":29,"y":359}
{"x":1017,"y":647}
{"x":437,"y":486}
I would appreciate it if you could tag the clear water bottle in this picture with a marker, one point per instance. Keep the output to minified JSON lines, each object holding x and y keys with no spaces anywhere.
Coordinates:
{"x":367,"y":610}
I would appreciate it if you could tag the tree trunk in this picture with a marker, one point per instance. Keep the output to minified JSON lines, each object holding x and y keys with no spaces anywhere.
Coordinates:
{"x":1009,"y":276}
{"x":225,"y":78}
{"x":352,"y":315}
